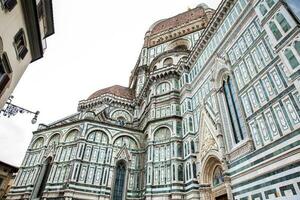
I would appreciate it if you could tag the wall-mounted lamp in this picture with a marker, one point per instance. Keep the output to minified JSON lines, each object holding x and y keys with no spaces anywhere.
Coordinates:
{"x":11,"y":110}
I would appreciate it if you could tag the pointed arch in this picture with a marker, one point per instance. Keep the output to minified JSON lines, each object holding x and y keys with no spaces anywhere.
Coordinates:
{"x":53,"y":139}
{"x":120,"y":180}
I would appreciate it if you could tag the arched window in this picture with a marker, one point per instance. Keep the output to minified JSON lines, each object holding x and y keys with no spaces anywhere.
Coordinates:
{"x":270,"y":3}
{"x":218,"y":177}
{"x":190,"y":171}
{"x":263,"y":9}
{"x":186,"y":77}
{"x":121,"y":121}
{"x":191,"y":127}
{"x":119,"y":180}
{"x":192,"y":146}
{"x":162,"y":134}
{"x":235,"y":115}
{"x":297,"y":47}
{"x":42,"y":178}
{"x":181,"y":48}
{"x":179,"y":149}
{"x":180,"y":173}
{"x":72,"y":136}
{"x":277,"y":34}
{"x":187,"y":171}
{"x":54,"y":140}
{"x":174,"y":177}
{"x":127,"y":141}
{"x":283,"y":22}
{"x":38,"y":143}
{"x":291,"y":58}
{"x":168,"y":62}
{"x":163,"y":88}
{"x":194,"y":170}
{"x":98,"y":137}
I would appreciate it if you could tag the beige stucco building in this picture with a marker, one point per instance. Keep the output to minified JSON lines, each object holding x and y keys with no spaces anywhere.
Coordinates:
{"x":25,"y":25}
{"x":7,"y":175}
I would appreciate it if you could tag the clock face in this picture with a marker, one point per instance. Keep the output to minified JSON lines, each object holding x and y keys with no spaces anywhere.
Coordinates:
{"x":121,"y":114}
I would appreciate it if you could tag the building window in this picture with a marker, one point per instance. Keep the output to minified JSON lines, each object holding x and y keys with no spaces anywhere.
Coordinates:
{"x":174,"y":178}
{"x":263,"y":9}
{"x":179,"y":149}
{"x":234,"y":111}
{"x":270,"y":3}
{"x":191,"y":128}
{"x":297,"y":47}
{"x":194,"y":170}
{"x":180,"y":173}
{"x":119,"y":180}
{"x":192,"y":146}
{"x":5,"y":72}
{"x":168,"y":62}
{"x":45,"y":172}
{"x":283,"y":22}
{"x":163,"y":88}
{"x":162,"y":134}
{"x":20,"y":44}
{"x":291,"y":58}
{"x":218,"y":177}
{"x":9,"y":4}
{"x":275,"y":30}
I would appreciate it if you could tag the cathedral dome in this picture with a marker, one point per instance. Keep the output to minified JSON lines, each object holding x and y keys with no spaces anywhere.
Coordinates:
{"x":117,"y":90}
{"x":175,"y":21}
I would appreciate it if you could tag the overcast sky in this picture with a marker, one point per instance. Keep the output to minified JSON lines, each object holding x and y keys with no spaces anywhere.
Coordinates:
{"x":96,"y":44}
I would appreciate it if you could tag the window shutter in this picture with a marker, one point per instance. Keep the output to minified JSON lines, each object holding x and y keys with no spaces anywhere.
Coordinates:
{"x":4,"y":79}
{"x":9,"y":4}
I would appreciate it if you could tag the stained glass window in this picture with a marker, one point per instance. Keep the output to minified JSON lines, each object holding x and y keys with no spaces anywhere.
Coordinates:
{"x":234,"y":111}
{"x":218,"y":177}
{"x":119,"y":181}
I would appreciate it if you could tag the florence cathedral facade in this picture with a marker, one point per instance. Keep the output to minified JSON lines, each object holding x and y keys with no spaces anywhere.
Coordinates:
{"x":211,"y":112}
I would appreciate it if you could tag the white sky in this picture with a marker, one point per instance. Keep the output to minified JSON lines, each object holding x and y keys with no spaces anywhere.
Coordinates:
{"x":96,"y":44}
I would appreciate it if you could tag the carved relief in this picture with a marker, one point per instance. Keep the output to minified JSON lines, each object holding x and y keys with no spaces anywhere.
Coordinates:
{"x":123,"y":154}
{"x":208,"y":142}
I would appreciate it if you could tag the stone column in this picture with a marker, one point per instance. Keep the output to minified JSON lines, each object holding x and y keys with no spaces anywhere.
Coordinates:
{"x":227,"y":182}
{"x":205,"y":192}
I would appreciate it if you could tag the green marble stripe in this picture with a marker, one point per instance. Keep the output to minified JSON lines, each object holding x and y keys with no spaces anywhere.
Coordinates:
{"x":264,"y":149}
{"x":275,"y":181}
{"x":286,"y":148}
{"x":283,"y":169}
{"x":173,"y":190}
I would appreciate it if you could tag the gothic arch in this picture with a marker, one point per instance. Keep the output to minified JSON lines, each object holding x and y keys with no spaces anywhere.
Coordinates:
{"x":208,"y":164}
{"x":55,"y":134}
{"x":166,"y":135}
{"x":68,"y":132}
{"x":128,"y":118}
{"x":120,"y":180}
{"x":211,"y":162}
{"x":108,"y":133}
{"x":161,"y":126}
{"x":221,"y":71}
{"x":179,"y":43}
{"x":33,"y":143}
{"x":43,"y":177}
{"x":117,"y":136}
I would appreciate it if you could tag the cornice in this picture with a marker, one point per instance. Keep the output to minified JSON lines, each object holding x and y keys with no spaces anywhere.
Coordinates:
{"x":212,"y":27}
